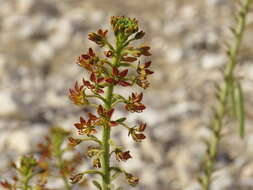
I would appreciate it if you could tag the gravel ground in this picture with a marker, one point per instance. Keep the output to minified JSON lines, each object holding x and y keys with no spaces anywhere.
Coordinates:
{"x":40,"y":40}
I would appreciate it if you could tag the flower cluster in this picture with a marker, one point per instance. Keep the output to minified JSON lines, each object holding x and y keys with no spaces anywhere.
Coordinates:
{"x":117,"y":68}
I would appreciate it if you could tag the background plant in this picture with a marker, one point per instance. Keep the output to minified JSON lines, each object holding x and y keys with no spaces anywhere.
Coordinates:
{"x":230,"y":91}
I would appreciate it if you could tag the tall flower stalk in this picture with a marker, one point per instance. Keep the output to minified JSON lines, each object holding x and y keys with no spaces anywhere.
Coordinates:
{"x":230,"y":89}
{"x":105,"y":74}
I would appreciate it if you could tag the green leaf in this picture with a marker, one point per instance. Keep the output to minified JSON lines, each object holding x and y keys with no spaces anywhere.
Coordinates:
{"x":97,"y":184}
{"x":239,"y":107}
{"x":120,"y":120}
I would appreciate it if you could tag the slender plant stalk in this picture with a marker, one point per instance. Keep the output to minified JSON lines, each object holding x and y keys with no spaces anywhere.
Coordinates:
{"x":107,"y":129}
{"x":223,"y":97}
{"x":63,"y":176}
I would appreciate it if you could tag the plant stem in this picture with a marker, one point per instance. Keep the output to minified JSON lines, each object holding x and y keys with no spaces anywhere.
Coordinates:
{"x":224,"y":91}
{"x":63,"y":176}
{"x":107,"y":130}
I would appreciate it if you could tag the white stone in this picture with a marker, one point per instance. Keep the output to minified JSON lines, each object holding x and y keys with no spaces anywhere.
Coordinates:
{"x":19,"y":141}
{"x":213,"y":60}
{"x":8,"y":106}
{"x":42,"y":52}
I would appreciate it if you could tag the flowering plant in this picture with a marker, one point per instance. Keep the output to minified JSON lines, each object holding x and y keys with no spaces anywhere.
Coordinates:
{"x":104,"y":75}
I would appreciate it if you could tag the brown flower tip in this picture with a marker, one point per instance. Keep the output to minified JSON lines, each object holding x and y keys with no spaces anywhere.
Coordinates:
{"x":143,"y":72}
{"x":132,"y":180}
{"x":96,"y":163}
{"x":73,"y":142}
{"x":88,"y":60}
{"x":134,"y":103}
{"x":139,"y":35}
{"x":87,"y":127}
{"x":122,"y":156}
{"x":76,"y":178}
{"x":136,"y":132}
{"x":77,"y":95}
{"x":99,"y":37}
{"x":6,"y":184}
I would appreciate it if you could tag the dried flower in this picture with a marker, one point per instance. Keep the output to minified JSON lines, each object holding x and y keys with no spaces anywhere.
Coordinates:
{"x":122,"y":156}
{"x":134,"y":103}
{"x":87,"y":127}
{"x":77,"y":95}
{"x":76,"y":178}
{"x":74,"y":142}
{"x":99,"y":37}
{"x":132,"y":180}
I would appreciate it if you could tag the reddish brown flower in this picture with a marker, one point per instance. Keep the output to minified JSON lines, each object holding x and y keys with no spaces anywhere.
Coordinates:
{"x":108,"y":53}
{"x":77,"y":95}
{"x":76,"y":178}
{"x":136,"y":134}
{"x":74,"y":142}
{"x":144,"y":50}
{"x":134,"y":103}
{"x":92,"y":151}
{"x":6,"y":184}
{"x":122,"y":156}
{"x":143,"y":72}
{"x":132,"y":180}
{"x":106,"y":116}
{"x":139,"y":35}
{"x":118,"y":77}
{"x":96,"y":163}
{"x":99,"y":37}
{"x":87,"y":127}
{"x":88,"y":60}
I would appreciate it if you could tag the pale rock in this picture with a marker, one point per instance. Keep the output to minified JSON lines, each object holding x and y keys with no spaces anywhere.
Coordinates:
{"x":222,"y":180}
{"x":42,"y":52}
{"x":61,"y":35}
{"x":23,"y":6}
{"x":19,"y":141}
{"x":213,"y":60}
{"x":174,"y":55}
{"x":8,"y":106}
{"x":2,"y":64}
{"x":54,"y":100}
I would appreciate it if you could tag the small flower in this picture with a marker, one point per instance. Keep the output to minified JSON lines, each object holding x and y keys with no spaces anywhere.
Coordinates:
{"x":74,"y":142}
{"x":134,"y":103}
{"x":139,"y":35}
{"x":87,"y":127}
{"x":106,"y":116}
{"x":122,"y":156}
{"x":132,"y":180}
{"x":88,"y":60}
{"x":108,"y":53}
{"x":76,"y":178}
{"x":6,"y":184}
{"x":144,"y":50}
{"x":92,"y":151}
{"x":143,"y":72}
{"x":124,"y":26}
{"x":96,"y":163}
{"x":118,"y":77}
{"x":77,"y":95}
{"x":99,"y":37}
{"x":136,"y":134}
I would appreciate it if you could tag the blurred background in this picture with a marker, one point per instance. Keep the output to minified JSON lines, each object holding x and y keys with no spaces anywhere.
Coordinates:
{"x":41,"y":39}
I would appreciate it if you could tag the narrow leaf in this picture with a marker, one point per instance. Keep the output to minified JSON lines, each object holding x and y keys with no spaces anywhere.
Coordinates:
{"x":239,"y":106}
{"x":97,"y":184}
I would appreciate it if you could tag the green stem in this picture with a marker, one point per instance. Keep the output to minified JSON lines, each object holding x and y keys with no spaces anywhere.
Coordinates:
{"x":224,"y":92}
{"x":107,"y":129}
{"x":61,"y":167}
